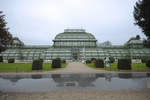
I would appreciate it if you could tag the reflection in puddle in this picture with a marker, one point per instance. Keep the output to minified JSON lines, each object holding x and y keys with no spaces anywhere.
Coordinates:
{"x":125,"y":75}
{"x":54,"y":82}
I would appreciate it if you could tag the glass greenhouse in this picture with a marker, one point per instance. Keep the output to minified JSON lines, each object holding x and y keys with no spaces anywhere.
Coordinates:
{"x":75,"y":44}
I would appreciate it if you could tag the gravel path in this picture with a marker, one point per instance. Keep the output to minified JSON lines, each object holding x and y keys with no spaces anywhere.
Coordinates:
{"x":77,"y":67}
{"x":79,"y":95}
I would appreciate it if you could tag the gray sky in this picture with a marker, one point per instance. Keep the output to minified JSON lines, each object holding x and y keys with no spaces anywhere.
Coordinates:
{"x":36,"y":22}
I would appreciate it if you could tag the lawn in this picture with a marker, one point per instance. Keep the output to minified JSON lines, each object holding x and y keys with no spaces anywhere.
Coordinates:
{"x":136,"y":67}
{"x":23,"y":67}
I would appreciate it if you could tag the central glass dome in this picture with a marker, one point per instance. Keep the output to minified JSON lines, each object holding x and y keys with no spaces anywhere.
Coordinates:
{"x":74,"y":38}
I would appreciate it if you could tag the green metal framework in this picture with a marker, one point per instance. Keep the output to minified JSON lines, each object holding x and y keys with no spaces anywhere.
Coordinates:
{"x":75,"y":45}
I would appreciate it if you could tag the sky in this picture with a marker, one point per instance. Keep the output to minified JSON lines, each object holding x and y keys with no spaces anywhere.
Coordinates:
{"x":37,"y":22}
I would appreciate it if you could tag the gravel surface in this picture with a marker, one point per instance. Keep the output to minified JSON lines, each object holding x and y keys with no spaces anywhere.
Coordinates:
{"x":77,"y":67}
{"x":79,"y":95}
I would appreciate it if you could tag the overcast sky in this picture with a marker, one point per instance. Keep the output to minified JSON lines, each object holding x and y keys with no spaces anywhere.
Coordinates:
{"x":36,"y":22}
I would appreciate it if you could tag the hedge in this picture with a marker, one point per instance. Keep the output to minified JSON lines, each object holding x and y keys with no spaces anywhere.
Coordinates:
{"x":37,"y":64}
{"x":124,"y":64}
{"x":11,"y":60}
{"x":99,"y":63}
{"x":1,"y":58}
{"x":41,"y":60}
{"x":63,"y":61}
{"x":148,"y":63}
{"x":144,"y":59}
{"x":56,"y":63}
{"x":88,"y":61}
{"x":93,"y":59}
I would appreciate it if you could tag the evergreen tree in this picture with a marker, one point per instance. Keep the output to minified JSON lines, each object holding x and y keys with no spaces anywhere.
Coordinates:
{"x":142,"y":16}
{"x":5,"y":36}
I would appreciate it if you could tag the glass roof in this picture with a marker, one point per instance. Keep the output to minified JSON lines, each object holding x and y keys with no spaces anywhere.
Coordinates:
{"x":74,"y":34}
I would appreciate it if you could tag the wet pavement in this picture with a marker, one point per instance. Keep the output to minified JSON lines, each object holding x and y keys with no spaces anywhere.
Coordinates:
{"x":62,"y":82}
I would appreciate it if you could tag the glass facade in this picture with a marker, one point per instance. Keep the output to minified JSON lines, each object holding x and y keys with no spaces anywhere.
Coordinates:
{"x":75,"y":44}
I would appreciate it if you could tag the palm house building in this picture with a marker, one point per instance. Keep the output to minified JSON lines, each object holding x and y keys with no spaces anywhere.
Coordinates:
{"x":75,"y":45}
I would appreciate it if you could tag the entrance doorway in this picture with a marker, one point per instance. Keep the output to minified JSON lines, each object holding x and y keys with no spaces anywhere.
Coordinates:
{"x":75,"y":54}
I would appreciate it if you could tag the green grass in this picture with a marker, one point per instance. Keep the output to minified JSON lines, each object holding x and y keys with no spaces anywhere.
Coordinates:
{"x":23,"y":67}
{"x":136,"y":67}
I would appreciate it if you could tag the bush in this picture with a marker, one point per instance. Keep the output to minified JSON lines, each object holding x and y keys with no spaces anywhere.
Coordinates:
{"x":63,"y":61}
{"x":148,"y":63}
{"x":112,"y":59}
{"x":88,"y":61}
{"x":124,"y":64}
{"x":1,"y":58}
{"x":37,"y":64}
{"x":41,"y":60}
{"x":11,"y":60}
{"x":93,"y":59}
{"x":56,"y":63}
{"x":99,"y":63}
{"x":144,"y":59}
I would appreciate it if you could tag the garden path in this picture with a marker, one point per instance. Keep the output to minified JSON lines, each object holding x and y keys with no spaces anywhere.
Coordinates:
{"x":77,"y":67}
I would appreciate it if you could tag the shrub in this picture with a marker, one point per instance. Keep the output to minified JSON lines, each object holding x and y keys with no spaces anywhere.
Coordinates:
{"x":93,"y":59}
{"x":112,"y":59}
{"x":11,"y":60}
{"x":56,"y":63}
{"x":41,"y":60}
{"x":1,"y":58}
{"x":37,"y":64}
{"x":99,"y":63}
{"x":148,"y":63}
{"x":88,"y":61}
{"x":124,"y":64}
{"x":63,"y":61}
{"x":144,"y":59}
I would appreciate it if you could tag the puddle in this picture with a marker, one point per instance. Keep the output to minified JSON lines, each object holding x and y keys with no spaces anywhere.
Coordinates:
{"x":61,"y":82}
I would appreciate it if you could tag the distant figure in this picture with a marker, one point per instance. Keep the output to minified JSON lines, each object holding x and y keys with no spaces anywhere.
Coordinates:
{"x":107,"y":61}
{"x":83,"y":61}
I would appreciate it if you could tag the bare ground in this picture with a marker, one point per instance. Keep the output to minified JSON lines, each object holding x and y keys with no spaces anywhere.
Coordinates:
{"x":79,"y":95}
{"x":77,"y":67}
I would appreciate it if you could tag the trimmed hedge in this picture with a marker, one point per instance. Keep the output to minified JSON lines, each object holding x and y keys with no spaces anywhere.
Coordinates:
{"x":41,"y":60}
{"x":144,"y":59}
{"x":11,"y":60}
{"x":124,"y":64}
{"x":88,"y":61}
{"x":56,"y":63}
{"x":93,"y":59}
{"x":99,"y":63}
{"x":148,"y":63}
{"x":63,"y":61}
{"x":37,"y":64}
{"x":1,"y":58}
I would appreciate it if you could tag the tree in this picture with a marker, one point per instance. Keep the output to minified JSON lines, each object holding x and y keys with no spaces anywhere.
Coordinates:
{"x":138,"y":37}
{"x":5,"y":36}
{"x":142,"y":16}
